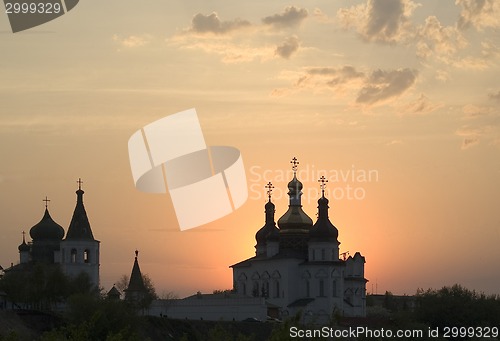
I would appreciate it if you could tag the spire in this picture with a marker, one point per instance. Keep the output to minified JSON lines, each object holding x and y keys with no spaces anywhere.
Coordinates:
{"x":136,"y":283}
{"x":79,"y":227}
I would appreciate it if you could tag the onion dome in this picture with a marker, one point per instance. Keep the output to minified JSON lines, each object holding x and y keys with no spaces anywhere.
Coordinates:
{"x":323,"y":229}
{"x":23,"y":247}
{"x":295,"y":217}
{"x":47,"y":229}
{"x":270,"y":226}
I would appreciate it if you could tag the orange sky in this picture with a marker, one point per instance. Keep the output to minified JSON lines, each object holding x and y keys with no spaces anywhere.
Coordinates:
{"x":409,"y":91}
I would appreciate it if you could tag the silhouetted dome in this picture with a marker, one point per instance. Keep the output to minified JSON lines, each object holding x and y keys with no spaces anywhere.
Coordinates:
{"x":294,"y":186}
{"x":323,"y":229}
{"x":47,"y":228}
{"x":270,"y":226}
{"x":23,"y":247}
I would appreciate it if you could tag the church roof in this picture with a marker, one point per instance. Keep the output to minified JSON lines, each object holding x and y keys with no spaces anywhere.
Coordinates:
{"x":113,"y":293}
{"x":136,"y":282}
{"x":47,"y":229}
{"x":79,"y":227}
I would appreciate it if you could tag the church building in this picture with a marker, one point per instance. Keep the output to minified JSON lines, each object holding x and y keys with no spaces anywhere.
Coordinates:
{"x":76,"y":253}
{"x":297,"y":266}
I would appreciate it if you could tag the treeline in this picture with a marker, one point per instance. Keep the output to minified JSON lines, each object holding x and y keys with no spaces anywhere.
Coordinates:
{"x":457,"y":306}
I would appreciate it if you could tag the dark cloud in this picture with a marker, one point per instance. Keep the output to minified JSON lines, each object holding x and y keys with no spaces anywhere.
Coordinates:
{"x":495,"y":96}
{"x":212,"y":24}
{"x":384,"y":18}
{"x":383,"y":84}
{"x":478,"y":13}
{"x":469,"y":142}
{"x":291,"y":17}
{"x":288,"y":47}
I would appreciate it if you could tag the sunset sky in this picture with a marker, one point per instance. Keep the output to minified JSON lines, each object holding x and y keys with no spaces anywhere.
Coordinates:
{"x":406,"y":91}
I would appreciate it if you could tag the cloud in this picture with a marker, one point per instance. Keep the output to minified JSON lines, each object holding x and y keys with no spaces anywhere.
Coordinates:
{"x":435,"y":39}
{"x":495,"y":96}
{"x":421,"y":105}
{"x":212,"y":24}
{"x":479,"y":14}
{"x":230,"y":51}
{"x":288,"y":47}
{"x":385,"y":21}
{"x":133,"y":40}
{"x":483,"y":123}
{"x":291,"y":17}
{"x":469,"y":142}
{"x":382,"y":85}
{"x":346,"y":81}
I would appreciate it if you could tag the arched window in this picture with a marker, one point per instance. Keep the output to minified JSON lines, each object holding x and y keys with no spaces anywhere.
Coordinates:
{"x":86,"y":256}
{"x":308,"y":289}
{"x":323,"y":256}
{"x":321,"y":288}
{"x":73,"y":256}
{"x":255,"y":289}
{"x":334,"y":288}
{"x":277,"y":289}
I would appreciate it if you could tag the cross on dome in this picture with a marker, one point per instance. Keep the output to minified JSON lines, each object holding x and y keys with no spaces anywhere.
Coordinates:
{"x":269,"y":188}
{"x":323,"y":181}
{"x":46,"y":201}
{"x":294,"y":163}
{"x":80,"y":182}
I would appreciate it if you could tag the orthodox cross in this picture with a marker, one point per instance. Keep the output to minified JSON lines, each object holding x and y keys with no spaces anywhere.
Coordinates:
{"x":46,"y":201}
{"x":136,"y":253}
{"x":80,"y":182}
{"x":294,"y":163}
{"x":269,"y":188}
{"x":323,"y":181}
{"x":24,"y":241}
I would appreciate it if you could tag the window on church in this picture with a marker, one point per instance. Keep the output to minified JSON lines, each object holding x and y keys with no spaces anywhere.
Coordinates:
{"x":244,"y":288}
{"x":255,"y":289}
{"x":321,"y":288}
{"x":86,"y":256}
{"x":265,"y":290}
{"x":334,"y":288}
{"x":73,"y":255}
{"x":323,"y":256}
{"x":308,"y":289}
{"x":314,"y":255}
{"x":277,"y":289}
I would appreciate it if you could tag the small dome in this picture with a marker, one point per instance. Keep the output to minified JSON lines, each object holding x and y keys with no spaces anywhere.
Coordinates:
{"x":269,"y":227}
{"x":323,"y":229}
{"x":23,"y":247}
{"x":295,"y":186}
{"x":47,"y":228}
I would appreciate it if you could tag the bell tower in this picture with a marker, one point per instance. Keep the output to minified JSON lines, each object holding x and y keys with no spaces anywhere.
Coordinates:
{"x":80,"y":250}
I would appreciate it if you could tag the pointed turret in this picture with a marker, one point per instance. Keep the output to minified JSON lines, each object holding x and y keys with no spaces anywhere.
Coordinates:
{"x":79,"y":228}
{"x":136,"y":288}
